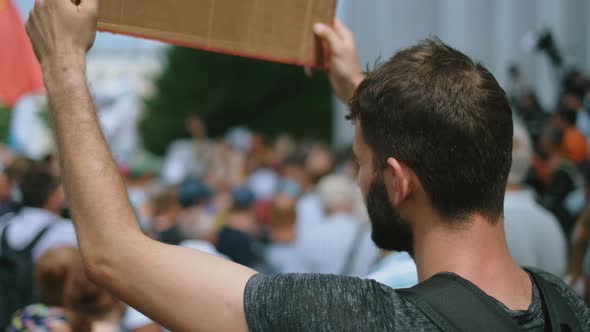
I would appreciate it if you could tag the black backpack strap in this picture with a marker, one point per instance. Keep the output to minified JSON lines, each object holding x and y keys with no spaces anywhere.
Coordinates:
{"x":37,"y":238}
{"x":558,"y":314}
{"x":29,"y":248}
{"x":4,"y":240}
{"x":454,"y":304}
{"x":4,"y":220}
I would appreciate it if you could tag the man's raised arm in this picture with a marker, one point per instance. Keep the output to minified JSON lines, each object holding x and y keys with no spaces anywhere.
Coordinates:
{"x":180,"y":288}
{"x":183,"y":289}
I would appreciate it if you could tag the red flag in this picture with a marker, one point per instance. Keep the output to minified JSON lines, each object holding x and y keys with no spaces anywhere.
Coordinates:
{"x":20,"y":72}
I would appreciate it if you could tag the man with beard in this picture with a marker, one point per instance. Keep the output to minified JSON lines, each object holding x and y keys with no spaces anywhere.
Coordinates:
{"x":433,"y":140}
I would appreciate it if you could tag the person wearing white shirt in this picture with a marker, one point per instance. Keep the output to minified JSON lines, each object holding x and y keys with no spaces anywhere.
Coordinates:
{"x":186,"y":158}
{"x":340,"y":244}
{"x":534,"y":236}
{"x":42,"y":198}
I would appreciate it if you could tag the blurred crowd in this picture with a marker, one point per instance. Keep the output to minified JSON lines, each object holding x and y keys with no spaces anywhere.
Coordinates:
{"x":280,"y":205}
{"x":551,"y":161}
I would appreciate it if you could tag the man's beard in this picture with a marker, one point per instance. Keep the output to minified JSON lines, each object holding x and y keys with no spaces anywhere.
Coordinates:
{"x":390,"y":232}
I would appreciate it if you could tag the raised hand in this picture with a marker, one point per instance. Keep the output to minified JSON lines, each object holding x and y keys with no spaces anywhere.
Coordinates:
{"x":344,"y":68}
{"x":62,"y":30}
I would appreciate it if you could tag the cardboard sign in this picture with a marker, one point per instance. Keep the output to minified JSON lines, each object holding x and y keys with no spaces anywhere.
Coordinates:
{"x":276,"y":30}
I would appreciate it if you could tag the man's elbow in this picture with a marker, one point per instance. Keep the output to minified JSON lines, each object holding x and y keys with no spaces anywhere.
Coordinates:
{"x":106,"y":263}
{"x":100,"y":269}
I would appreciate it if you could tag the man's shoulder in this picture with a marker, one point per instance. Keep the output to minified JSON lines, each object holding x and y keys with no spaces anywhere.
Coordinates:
{"x":577,"y":305}
{"x":556,"y":282}
{"x":339,"y":303}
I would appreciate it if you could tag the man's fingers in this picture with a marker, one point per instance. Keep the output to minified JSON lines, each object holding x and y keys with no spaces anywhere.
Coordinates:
{"x":40,"y":3}
{"x":328,"y":34}
{"x":343,"y":31}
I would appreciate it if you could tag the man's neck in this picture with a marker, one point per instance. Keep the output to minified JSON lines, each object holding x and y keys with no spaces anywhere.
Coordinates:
{"x":476,"y":250}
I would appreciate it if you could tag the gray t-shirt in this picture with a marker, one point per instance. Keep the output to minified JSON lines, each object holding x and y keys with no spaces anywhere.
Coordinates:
{"x":307,"y":302}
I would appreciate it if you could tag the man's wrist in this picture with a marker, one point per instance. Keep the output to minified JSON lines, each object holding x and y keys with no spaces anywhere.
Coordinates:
{"x":60,"y":69}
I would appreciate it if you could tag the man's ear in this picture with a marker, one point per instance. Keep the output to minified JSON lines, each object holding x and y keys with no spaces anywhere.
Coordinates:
{"x":402,"y":179}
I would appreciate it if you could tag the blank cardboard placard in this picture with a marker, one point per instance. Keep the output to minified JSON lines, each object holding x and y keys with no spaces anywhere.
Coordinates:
{"x":277,"y":30}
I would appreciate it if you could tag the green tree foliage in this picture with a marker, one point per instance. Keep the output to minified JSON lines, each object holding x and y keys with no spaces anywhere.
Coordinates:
{"x":227,"y":91}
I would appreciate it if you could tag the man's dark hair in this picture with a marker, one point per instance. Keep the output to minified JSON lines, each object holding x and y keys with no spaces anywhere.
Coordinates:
{"x":37,"y":185}
{"x":446,"y":117}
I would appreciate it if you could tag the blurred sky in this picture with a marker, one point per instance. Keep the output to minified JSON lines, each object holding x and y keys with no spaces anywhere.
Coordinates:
{"x":104,"y":41}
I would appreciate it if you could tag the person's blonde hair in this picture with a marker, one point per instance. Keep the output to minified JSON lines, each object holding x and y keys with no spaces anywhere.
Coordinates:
{"x":337,"y":191}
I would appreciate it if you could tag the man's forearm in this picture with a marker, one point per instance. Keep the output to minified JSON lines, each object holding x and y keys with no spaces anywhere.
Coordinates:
{"x":95,"y":189}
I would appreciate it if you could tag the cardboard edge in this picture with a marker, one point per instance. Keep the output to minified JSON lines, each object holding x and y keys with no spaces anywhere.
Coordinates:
{"x":105,"y":28}
{"x":110,"y":28}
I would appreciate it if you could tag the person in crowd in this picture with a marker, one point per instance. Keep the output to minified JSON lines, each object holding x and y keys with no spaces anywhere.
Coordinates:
{"x":341,"y":244}
{"x":91,"y":308}
{"x":15,"y":172}
{"x":225,"y":167}
{"x":306,"y":167}
{"x":42,"y":199}
{"x":529,"y":110}
{"x":27,"y":235}
{"x":574,"y":99}
{"x":283,"y":254}
{"x":533,"y":234}
{"x":282,"y":147}
{"x":49,"y":314}
{"x":187,"y":158}
{"x":308,"y":207}
{"x":238,"y":237}
{"x":165,"y":216}
{"x":197,"y":218}
{"x":574,"y":142}
{"x":413,"y":116}
{"x":564,"y":182}
{"x":8,"y":206}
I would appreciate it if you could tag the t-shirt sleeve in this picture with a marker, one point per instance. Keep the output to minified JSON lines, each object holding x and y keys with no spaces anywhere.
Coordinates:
{"x":307,"y":302}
